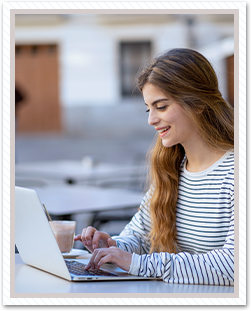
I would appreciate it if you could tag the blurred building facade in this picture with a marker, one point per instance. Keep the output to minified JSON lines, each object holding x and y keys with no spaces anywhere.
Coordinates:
{"x":78,"y":70}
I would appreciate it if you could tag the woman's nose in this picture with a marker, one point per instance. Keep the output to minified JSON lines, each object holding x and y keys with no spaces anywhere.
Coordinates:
{"x":152,"y":118}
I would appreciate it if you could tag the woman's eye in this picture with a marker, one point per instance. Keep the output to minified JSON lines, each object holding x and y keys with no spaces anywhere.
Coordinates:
{"x":158,"y":108}
{"x":161,"y":108}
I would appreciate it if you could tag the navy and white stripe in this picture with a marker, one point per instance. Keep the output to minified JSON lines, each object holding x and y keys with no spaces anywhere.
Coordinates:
{"x":205,"y":230}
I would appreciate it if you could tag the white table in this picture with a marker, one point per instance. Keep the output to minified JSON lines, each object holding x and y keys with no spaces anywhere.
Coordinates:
{"x":29,"y":280}
{"x":68,"y":199}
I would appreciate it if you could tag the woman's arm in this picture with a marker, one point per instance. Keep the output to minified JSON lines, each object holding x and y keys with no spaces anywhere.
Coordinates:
{"x":213,"y":268}
{"x":134,"y":237}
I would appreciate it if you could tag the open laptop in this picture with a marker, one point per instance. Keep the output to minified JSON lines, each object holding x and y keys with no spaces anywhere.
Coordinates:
{"x":37,"y":245}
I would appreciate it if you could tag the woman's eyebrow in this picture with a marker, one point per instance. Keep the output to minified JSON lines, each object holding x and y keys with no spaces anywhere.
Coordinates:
{"x":157,"y":101}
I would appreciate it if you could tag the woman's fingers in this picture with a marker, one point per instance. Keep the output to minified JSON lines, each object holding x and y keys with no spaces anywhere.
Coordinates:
{"x":78,"y":237}
{"x":96,"y":238}
{"x":112,"y":254}
{"x":87,"y":235}
{"x":98,"y":256}
{"x":111,"y":242}
{"x":93,"y":239}
{"x":104,"y":259}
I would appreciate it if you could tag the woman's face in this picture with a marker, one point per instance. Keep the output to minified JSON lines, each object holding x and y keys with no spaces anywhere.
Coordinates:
{"x":168,"y":118}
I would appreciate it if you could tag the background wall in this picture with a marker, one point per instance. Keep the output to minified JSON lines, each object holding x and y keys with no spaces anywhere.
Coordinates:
{"x":84,"y":89}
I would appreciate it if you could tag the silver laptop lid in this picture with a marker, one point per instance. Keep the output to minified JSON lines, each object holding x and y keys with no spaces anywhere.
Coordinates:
{"x":34,"y":238}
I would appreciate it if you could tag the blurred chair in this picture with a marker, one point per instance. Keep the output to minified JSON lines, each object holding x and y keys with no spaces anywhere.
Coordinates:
{"x":113,"y":222}
{"x":135,"y":181}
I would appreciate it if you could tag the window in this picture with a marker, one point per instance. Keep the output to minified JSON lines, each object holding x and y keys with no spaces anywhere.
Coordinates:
{"x":132,"y":57}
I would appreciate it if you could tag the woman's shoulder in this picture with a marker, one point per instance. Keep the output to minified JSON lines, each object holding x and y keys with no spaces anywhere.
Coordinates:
{"x":230,"y":154}
{"x":226,"y":167}
{"x":219,"y":169}
{"x":228,"y":159}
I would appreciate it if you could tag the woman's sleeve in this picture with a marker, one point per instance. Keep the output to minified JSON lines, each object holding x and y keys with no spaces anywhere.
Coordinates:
{"x":213,"y":268}
{"x":134,"y":237}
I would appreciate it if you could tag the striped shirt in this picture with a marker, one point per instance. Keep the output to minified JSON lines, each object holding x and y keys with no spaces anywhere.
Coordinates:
{"x":205,"y":230}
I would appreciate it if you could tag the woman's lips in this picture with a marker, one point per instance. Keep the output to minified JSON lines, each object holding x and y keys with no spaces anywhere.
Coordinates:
{"x":162,"y":131}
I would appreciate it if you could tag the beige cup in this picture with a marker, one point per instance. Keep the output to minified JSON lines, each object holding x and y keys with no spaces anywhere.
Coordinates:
{"x":64,"y":232}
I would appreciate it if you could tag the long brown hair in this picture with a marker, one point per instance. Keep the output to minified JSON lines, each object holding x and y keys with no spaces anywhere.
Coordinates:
{"x":189,"y":78}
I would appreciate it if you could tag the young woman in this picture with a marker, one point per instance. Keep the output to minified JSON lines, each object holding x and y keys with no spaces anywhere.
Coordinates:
{"x":184,"y":229}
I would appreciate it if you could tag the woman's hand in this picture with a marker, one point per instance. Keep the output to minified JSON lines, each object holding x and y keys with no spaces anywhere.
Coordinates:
{"x":112,"y":254}
{"x":92,"y":239}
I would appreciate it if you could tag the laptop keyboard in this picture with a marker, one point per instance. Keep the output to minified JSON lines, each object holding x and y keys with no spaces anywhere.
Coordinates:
{"x":77,"y":268}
